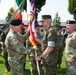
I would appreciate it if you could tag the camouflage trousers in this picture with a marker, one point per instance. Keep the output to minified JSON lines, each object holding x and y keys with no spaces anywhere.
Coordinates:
{"x":34,"y":67}
{"x":60,"y":54}
{"x":5,"y":56}
{"x":71,"y":68}
{"x":16,"y":67}
{"x":50,"y":68}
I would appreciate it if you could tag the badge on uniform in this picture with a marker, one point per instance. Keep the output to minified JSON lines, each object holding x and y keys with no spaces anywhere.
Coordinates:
{"x":16,"y":41}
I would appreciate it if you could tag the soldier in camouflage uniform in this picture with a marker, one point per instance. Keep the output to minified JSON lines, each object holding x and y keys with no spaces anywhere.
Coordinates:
{"x":60,"y":48}
{"x":32,"y":55}
{"x":2,"y":48}
{"x":0,"y":41}
{"x":70,"y":49}
{"x":49,"y":54}
{"x":15,"y":47}
{"x":4,"y":52}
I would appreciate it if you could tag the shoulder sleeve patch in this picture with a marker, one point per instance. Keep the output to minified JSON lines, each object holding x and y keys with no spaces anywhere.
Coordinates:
{"x":15,"y":41}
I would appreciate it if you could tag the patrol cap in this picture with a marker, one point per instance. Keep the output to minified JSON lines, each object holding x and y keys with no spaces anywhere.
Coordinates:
{"x":70,"y":22}
{"x":15,"y":22}
{"x":44,"y":17}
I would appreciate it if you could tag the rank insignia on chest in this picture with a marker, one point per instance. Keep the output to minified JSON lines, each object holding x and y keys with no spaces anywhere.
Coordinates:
{"x":16,"y":42}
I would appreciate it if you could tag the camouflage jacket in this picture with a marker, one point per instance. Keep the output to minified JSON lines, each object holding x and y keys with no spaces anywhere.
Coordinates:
{"x":15,"y":46}
{"x":70,"y":49}
{"x":39,"y":51}
{"x":50,"y":35}
{"x":60,"y":41}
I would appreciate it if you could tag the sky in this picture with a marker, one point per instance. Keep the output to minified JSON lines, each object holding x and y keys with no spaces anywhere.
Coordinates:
{"x":51,"y":8}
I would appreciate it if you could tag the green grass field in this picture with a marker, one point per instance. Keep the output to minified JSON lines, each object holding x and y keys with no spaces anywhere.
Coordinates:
{"x":27,"y":72}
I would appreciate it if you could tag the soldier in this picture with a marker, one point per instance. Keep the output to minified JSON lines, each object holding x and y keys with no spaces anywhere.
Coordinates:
{"x":49,"y":53}
{"x":32,"y":55}
{"x":15,"y":47}
{"x":0,"y":41}
{"x":70,"y":49}
{"x":60,"y":42}
{"x":4,"y":53}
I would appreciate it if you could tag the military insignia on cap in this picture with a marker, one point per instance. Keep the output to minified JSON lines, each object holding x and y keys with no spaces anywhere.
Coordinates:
{"x":70,"y":22}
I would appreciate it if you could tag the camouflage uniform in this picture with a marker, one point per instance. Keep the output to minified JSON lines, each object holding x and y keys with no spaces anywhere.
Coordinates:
{"x":5,"y":56}
{"x":32,"y":56}
{"x":50,"y":61}
{"x":0,"y":49}
{"x":0,"y":41}
{"x":0,"y":45}
{"x":4,"y":52}
{"x":16,"y":52}
{"x":70,"y":51}
{"x":60,"y":48}
{"x":21,"y":35}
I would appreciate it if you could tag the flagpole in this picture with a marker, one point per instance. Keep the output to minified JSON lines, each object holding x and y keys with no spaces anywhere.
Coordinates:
{"x":37,"y":64}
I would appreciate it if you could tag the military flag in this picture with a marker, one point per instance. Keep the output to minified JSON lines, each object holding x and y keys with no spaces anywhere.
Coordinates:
{"x":18,"y":10}
{"x":31,"y":7}
{"x":31,"y":19}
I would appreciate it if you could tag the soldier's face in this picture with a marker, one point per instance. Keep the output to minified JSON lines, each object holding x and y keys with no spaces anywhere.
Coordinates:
{"x":18,"y":28}
{"x":60,"y":30}
{"x":70,"y":28}
{"x":45,"y":24}
{"x":37,"y":30}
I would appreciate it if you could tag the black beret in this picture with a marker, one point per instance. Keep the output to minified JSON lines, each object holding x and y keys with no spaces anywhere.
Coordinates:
{"x":15,"y":22}
{"x":70,"y":22}
{"x":46,"y":17}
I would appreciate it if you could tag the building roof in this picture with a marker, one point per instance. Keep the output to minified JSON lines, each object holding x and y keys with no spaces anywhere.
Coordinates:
{"x":25,"y":22}
{"x":63,"y":23}
{"x":2,"y":21}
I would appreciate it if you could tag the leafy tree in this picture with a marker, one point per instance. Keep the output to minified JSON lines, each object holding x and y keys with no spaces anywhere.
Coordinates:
{"x":8,"y":17}
{"x":6,"y":27}
{"x":72,"y":8}
{"x":56,"y":21}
